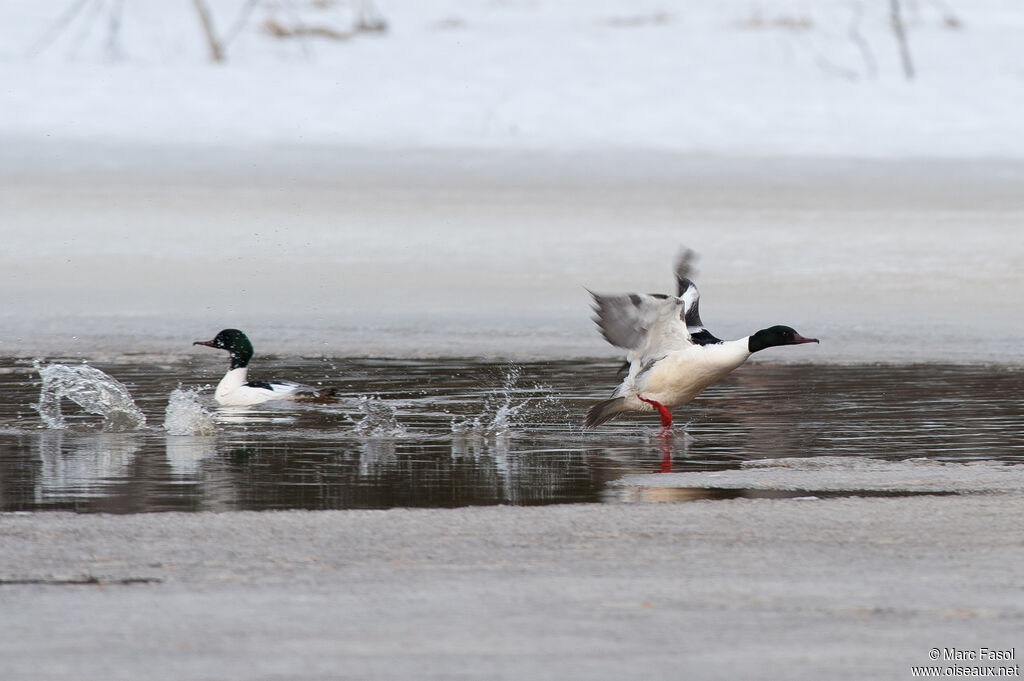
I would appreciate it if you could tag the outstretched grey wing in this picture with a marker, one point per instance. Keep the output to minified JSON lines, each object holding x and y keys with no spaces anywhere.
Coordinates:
{"x":639,"y":322}
{"x":687,"y":290}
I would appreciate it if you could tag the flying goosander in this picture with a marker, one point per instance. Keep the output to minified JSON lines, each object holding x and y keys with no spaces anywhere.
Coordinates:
{"x":235,"y":391}
{"x":672,"y":357}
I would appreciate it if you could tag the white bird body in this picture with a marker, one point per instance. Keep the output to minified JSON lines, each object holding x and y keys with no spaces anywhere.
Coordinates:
{"x":235,"y":390}
{"x":672,"y":358}
{"x":680,"y":376}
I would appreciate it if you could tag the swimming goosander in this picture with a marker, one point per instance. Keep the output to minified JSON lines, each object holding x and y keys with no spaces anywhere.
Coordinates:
{"x":234,"y":391}
{"x":672,"y":357}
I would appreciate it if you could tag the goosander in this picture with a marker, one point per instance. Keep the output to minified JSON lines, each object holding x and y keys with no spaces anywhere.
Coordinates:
{"x":672,"y":357}
{"x":235,"y":391}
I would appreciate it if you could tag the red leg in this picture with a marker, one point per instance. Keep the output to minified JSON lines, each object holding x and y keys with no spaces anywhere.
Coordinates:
{"x":666,"y":415}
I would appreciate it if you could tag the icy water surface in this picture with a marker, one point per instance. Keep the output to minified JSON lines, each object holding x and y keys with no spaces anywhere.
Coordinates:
{"x":448,"y":433}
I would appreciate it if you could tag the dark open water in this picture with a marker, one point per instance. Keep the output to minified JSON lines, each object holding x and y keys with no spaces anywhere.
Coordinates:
{"x":447,"y":433}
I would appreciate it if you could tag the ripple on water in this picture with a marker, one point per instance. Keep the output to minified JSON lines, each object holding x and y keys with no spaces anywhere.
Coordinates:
{"x":453,"y":432}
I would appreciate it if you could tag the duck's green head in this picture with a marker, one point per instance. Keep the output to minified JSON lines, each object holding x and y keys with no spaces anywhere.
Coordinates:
{"x":776,"y":335}
{"x":235,"y":342}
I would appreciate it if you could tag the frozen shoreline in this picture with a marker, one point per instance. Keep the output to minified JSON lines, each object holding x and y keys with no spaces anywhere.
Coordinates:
{"x":469,"y":253}
{"x":819,"y":80}
{"x":849,"y":588}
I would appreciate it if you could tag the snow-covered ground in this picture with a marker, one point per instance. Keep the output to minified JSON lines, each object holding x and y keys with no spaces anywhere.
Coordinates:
{"x":451,"y":185}
{"x":790,"y":589}
{"x":742,"y":77}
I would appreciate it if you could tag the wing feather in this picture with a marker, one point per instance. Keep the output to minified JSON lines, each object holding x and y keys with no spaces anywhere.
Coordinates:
{"x":687,"y":290}
{"x":643,"y":324}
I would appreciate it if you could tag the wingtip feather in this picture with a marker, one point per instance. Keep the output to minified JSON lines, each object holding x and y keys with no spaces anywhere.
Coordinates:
{"x":604,"y":411}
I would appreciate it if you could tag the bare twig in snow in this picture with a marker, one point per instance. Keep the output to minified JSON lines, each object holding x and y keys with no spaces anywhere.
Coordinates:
{"x":369,"y":19}
{"x":900,"y":31}
{"x":790,"y":22}
{"x":114,"y":30}
{"x":279,"y":30}
{"x":366,"y":19}
{"x":216,"y":50}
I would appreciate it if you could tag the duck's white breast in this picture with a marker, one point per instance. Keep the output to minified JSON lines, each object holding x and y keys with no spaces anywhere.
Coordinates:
{"x":232,"y":391}
{"x":684,"y":374}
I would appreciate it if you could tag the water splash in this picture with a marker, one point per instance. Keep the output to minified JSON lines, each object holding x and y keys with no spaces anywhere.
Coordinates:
{"x":508,"y":408}
{"x":92,"y":390}
{"x":186,"y":416}
{"x":379,"y":419}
